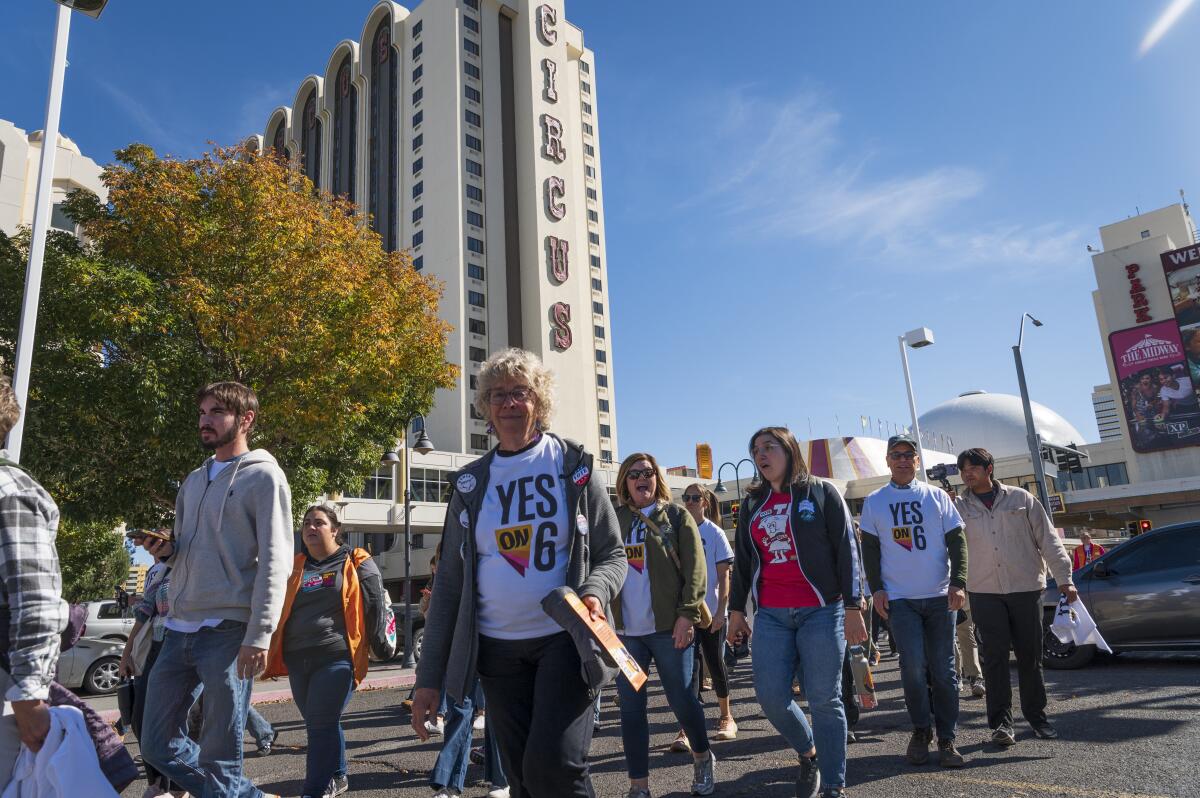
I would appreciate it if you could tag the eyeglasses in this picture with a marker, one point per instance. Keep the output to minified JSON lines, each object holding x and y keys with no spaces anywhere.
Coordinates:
{"x":766,"y":448}
{"x":518,"y":395}
{"x":639,"y":473}
{"x":902,"y":455}
{"x":691,"y":498}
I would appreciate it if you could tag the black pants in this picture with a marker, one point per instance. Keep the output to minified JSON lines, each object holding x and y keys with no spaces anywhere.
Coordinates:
{"x":710,"y":650}
{"x":139,"y":712}
{"x":1004,"y":621}
{"x":540,"y":712}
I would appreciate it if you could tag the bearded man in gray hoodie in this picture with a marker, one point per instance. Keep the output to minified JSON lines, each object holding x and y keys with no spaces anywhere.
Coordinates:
{"x":230,"y":560}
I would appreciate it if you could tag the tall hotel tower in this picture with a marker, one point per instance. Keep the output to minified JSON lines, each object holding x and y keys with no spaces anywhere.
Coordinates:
{"x":468,"y":130}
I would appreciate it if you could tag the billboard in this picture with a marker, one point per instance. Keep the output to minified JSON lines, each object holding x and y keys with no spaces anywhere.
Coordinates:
{"x":1156,"y":388}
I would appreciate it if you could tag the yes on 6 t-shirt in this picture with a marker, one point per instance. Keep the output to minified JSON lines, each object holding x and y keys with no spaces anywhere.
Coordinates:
{"x":911,"y":523}
{"x":716,"y":550}
{"x":637,"y":613}
{"x":521,"y":541}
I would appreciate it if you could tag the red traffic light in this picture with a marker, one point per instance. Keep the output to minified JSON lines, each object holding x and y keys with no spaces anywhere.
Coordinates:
{"x":1144,"y":525}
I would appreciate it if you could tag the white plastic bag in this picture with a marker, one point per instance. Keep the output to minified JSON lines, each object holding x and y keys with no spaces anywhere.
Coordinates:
{"x":1074,"y":624}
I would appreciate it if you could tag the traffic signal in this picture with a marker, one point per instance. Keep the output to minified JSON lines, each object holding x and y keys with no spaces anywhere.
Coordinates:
{"x":1068,"y":460}
{"x":1144,"y":526}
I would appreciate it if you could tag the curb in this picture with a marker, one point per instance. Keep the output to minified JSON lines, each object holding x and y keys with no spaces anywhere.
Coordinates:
{"x":283,"y":693}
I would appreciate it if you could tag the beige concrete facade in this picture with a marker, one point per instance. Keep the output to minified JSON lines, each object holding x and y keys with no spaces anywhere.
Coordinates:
{"x":20,"y":158}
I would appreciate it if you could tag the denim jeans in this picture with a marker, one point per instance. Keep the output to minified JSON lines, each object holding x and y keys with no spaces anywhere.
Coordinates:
{"x":808,"y":644}
{"x":322,"y":685}
{"x":258,"y":726}
{"x":674,"y":667}
{"x":188,"y":663}
{"x":924,"y":634}
{"x":450,"y":770}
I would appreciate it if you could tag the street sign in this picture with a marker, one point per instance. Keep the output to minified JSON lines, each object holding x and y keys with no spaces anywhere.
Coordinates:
{"x":1057,"y":505}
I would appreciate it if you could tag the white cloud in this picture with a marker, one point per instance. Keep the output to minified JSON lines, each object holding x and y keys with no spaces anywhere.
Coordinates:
{"x":1166,"y":20}
{"x":143,"y":117}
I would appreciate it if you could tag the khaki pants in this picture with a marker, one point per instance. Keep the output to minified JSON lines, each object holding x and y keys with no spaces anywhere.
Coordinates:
{"x":966,"y":652}
{"x":10,"y":740}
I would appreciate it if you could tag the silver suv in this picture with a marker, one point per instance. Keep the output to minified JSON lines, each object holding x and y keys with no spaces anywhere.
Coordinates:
{"x":107,"y":621}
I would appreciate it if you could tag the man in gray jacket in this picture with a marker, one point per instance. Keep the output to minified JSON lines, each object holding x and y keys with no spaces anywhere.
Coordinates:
{"x":230,"y":559}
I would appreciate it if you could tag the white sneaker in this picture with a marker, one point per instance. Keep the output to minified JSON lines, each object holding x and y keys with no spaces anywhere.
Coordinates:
{"x":478,"y":723}
{"x":498,"y":792}
{"x":435,"y":726}
{"x":447,"y":792}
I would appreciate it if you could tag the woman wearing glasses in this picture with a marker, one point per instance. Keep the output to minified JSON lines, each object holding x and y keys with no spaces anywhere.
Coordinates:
{"x":524,"y":519}
{"x":795,"y":554}
{"x":656,"y":615}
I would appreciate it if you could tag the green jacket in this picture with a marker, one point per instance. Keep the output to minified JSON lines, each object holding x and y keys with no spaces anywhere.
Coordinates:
{"x":674,"y":592}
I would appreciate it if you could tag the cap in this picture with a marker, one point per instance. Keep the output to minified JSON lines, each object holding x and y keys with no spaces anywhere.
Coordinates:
{"x":903,"y":437}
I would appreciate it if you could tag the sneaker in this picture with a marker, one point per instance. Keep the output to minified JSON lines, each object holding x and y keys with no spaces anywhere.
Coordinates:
{"x":447,"y":792}
{"x":635,"y":792}
{"x":680,"y":744}
{"x":435,"y":726}
{"x":977,"y":688}
{"x":154,"y":791}
{"x":727,"y":729}
{"x":1003,"y":735}
{"x":833,"y":792}
{"x":875,"y":658}
{"x":918,"y":746}
{"x":851,"y":737}
{"x":478,"y":723}
{"x":808,"y":781}
{"x":338,"y":785}
{"x":264,"y":748}
{"x":704,"y":777}
{"x":498,"y":792}
{"x":1045,"y":730}
{"x":706,"y":683}
{"x":477,"y":755}
{"x":948,"y":755}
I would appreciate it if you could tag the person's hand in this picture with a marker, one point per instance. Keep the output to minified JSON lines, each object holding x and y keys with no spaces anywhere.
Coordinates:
{"x":739,"y":631}
{"x":126,"y":666}
{"x":251,"y":661}
{"x":718,"y":621}
{"x":683,"y":632}
{"x":879,"y":601}
{"x":856,"y":630}
{"x":1070,"y":592}
{"x":33,"y":722}
{"x":425,"y":702}
{"x":159,"y":548}
{"x":957,"y":597}
{"x":595,"y":608}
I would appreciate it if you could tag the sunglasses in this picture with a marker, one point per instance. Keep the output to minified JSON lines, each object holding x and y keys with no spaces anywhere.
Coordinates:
{"x":902,"y":455}
{"x":692,"y":497}
{"x":639,"y":473}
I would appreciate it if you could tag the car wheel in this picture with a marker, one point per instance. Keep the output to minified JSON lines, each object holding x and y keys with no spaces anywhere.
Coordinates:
{"x":418,"y":639}
{"x":103,"y":676}
{"x":1061,"y":656}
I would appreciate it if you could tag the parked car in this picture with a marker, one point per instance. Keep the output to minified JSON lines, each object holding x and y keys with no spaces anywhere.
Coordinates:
{"x":418,"y":626}
{"x":1143,"y":595}
{"x":107,"y":621}
{"x":91,"y":664}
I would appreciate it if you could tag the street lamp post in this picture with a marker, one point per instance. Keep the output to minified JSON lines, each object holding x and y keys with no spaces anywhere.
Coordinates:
{"x":41,"y":214}
{"x":720,"y":488}
{"x":422,"y":446}
{"x":918,"y":338}
{"x":1031,"y":436}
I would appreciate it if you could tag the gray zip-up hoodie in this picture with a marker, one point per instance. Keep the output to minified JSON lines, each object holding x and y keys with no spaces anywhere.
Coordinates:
{"x":233,"y":546}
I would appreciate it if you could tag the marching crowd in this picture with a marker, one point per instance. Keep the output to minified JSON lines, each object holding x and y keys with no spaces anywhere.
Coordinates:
{"x":231,"y":601}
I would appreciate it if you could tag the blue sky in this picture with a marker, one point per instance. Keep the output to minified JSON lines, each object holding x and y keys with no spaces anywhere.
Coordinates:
{"x":788,"y":185}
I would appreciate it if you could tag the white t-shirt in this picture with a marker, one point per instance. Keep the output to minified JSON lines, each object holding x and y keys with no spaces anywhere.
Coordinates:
{"x":637,"y":611}
{"x":189,"y":627}
{"x":522,"y":540}
{"x":1180,"y":391}
{"x":911,"y":523}
{"x":716,"y":550}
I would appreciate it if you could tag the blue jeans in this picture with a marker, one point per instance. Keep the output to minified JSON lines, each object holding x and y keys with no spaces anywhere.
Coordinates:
{"x":322,"y":685}
{"x":808,"y":644}
{"x":924,"y":634}
{"x":455,"y":756}
{"x":675,"y":672}
{"x":258,"y":726}
{"x":188,"y":663}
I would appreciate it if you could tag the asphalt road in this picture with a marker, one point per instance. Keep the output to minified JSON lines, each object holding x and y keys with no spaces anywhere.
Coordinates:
{"x":1130,"y":729}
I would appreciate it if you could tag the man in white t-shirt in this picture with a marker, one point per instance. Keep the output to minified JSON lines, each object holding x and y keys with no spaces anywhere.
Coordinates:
{"x":915,"y":555}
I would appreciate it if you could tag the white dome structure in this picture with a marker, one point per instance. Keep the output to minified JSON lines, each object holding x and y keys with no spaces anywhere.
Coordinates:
{"x":994,"y":421}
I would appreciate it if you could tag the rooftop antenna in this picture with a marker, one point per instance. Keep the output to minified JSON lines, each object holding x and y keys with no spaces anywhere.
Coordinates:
{"x":1187,"y":212}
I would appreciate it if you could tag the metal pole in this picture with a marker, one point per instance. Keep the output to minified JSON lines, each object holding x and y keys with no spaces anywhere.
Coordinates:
{"x":41,"y":222}
{"x":408,"y":661}
{"x":912,"y":408}
{"x":737,"y":475}
{"x":1039,"y":471}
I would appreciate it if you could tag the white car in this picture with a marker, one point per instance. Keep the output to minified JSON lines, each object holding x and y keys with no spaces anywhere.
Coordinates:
{"x":107,"y":621}
{"x":91,"y":664}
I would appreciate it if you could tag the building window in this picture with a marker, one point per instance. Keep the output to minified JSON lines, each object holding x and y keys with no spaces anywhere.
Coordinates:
{"x":418,"y":165}
{"x":418,"y":263}
{"x":590,"y":171}
{"x":584,"y":68}
{"x":474,"y":245}
{"x":471,"y":93}
{"x":475,"y":193}
{"x":430,"y":485}
{"x":418,"y":72}
{"x":601,"y":356}
{"x":479,"y":327}
{"x":473,"y":413}
{"x":471,"y":70}
{"x":474,"y":219}
{"x":59,"y":219}
{"x":594,"y":238}
{"x":475,"y":271}
{"x":603,"y":405}
{"x":470,"y":46}
{"x":383,"y":171}
{"x":417,"y":50}
{"x":418,"y":141}
{"x":587,"y":108}
{"x":470,"y":23}
{"x":601,"y":380}
{"x":588,"y":149}
{"x":418,"y":118}
{"x":588,"y":129}
{"x":418,"y":189}
{"x":473,"y":381}
{"x":593,"y":216}
{"x":377,"y":486}
{"x":597,"y":308}
{"x":605,"y":431}
{"x":591,"y":194}
{"x":418,"y":238}
{"x":475,"y":298}
{"x":418,"y":213}
{"x":597,"y":285}
{"x":472,"y":4}
{"x":474,"y":143}
{"x":477,"y":354}
{"x":472,"y":118}
{"x":416,"y":29}
{"x":587,"y":87}
{"x":606,"y":455}
{"x":474,"y":168}
{"x":599,"y":331}
{"x":595,"y":261}
{"x":479,"y":441}
{"x":345,"y":131}
{"x":417,"y":95}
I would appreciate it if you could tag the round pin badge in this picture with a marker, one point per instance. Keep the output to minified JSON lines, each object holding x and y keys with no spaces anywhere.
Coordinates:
{"x":465,"y":483}
{"x":464,"y":519}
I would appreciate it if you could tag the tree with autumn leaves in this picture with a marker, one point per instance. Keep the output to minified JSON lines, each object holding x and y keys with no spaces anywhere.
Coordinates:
{"x":228,"y":266}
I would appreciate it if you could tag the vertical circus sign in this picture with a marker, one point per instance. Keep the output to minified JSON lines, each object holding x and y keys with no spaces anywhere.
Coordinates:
{"x":554,"y":188}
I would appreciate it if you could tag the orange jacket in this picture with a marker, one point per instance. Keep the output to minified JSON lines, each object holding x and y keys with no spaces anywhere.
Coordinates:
{"x":352,"y":604}
{"x":1079,"y":557}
